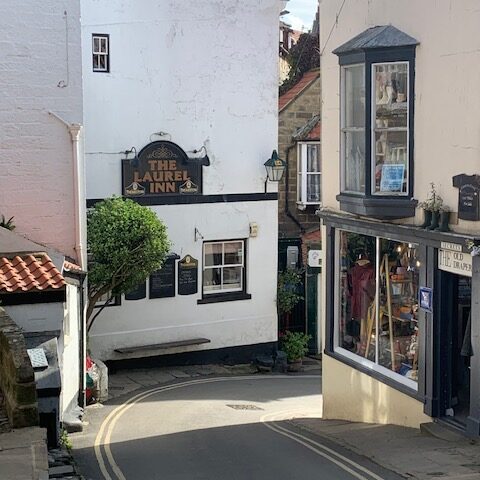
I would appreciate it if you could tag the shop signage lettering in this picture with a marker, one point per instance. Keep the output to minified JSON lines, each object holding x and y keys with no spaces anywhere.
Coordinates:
{"x":451,"y":246}
{"x":187,"y":276}
{"x":468,"y":196}
{"x":162,"y":168}
{"x":455,"y":262}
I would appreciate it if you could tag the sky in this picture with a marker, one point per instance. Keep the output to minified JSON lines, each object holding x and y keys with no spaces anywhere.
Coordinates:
{"x":302,"y":13}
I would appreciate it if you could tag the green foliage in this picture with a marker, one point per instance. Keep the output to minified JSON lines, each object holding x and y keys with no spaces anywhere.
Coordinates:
{"x":65,"y":441}
{"x":8,"y":224}
{"x":303,"y":56}
{"x":287,"y":290}
{"x":295,"y":345}
{"x":434,"y":201}
{"x":126,"y":243}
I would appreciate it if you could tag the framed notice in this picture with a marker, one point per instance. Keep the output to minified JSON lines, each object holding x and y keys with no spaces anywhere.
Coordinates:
{"x":162,"y":281}
{"x":187,"y":275}
{"x":139,"y":292}
{"x":425,"y":299}
{"x":392,"y":178}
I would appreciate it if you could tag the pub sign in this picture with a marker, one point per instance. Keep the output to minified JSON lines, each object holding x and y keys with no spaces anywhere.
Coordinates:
{"x":163,"y":168}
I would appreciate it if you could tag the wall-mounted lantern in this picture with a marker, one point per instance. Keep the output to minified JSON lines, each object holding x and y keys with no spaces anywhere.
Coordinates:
{"x":275,"y":167}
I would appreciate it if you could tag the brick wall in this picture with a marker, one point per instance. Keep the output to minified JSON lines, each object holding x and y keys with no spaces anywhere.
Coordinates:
{"x":291,"y":118}
{"x":37,"y":76}
{"x":17,"y":380}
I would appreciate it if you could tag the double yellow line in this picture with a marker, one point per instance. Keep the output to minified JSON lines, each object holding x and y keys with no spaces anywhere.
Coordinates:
{"x":104,"y":435}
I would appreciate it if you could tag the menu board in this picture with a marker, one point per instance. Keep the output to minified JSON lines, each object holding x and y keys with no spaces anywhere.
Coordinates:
{"x":162,"y":281}
{"x":139,"y":292}
{"x":187,"y":275}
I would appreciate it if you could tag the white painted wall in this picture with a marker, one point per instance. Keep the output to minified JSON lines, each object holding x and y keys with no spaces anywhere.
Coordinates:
{"x":36,"y":169}
{"x":191,"y":69}
{"x":447,"y":71}
{"x":37,"y":317}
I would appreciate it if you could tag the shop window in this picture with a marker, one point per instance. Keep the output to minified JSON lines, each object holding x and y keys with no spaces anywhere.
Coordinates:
{"x":223,"y":267}
{"x":376,"y":100}
{"x":101,"y":53}
{"x":309,"y":174}
{"x":378,"y":304}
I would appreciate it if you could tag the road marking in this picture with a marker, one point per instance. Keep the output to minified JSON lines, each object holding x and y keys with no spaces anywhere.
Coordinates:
{"x":315,"y":446}
{"x":109,"y":423}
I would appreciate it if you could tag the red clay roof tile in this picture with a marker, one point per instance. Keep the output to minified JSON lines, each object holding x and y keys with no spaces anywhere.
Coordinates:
{"x":29,"y":272}
{"x":305,"y":81}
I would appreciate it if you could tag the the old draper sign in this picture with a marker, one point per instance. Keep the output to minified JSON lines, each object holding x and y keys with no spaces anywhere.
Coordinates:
{"x":163,"y":168}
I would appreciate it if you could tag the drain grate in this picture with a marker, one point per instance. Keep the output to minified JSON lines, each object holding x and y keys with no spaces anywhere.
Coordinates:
{"x":244,"y":407}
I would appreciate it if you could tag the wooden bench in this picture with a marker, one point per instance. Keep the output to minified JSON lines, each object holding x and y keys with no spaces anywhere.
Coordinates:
{"x":164,"y":346}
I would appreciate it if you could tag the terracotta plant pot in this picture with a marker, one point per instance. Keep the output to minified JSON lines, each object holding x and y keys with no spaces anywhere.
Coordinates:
{"x":295,"y":365}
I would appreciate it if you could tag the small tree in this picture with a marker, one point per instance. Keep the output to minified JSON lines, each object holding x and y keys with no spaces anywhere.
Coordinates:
{"x":126,"y":243}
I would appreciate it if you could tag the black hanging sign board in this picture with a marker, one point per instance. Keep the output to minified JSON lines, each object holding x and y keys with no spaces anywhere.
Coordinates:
{"x":187,"y":275}
{"x":162,"y":281}
{"x":139,"y":292}
{"x":468,"y":196}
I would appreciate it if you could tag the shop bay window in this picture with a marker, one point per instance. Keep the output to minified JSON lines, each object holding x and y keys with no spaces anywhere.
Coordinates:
{"x":309,"y":173}
{"x":376,"y":103}
{"x":377,"y":304}
{"x":223,"y":267}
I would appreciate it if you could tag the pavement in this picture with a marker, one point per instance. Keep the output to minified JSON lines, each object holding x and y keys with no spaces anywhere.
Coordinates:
{"x":23,"y":454}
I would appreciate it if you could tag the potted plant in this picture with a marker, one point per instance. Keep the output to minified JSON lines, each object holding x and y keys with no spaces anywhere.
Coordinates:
{"x":288,"y":285}
{"x":431,"y":209}
{"x":295,"y":346}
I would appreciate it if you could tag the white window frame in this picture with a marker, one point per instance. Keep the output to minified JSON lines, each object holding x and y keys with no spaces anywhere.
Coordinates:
{"x":102,"y":38}
{"x":222,"y":266}
{"x":374,"y":129}
{"x":364,"y":362}
{"x":302,"y":174}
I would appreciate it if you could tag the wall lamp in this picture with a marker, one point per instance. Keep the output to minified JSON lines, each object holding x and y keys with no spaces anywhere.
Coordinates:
{"x":134,"y":162}
{"x":275,"y":167}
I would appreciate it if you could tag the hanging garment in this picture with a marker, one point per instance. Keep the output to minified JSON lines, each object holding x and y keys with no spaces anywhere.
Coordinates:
{"x":361,"y":287}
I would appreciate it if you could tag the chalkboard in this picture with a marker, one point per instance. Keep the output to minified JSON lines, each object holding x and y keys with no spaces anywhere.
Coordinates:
{"x":162,"y":282}
{"x":187,"y":276}
{"x":139,"y":292}
{"x":468,"y":196}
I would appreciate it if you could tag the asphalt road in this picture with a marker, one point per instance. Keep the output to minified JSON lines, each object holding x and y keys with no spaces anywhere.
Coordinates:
{"x":232,"y":428}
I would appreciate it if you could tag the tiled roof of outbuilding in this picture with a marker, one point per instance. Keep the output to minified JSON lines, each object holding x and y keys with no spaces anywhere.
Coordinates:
{"x":290,"y":95}
{"x":34,"y":272}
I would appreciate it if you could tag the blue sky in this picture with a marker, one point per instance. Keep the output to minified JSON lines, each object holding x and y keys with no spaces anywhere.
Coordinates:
{"x":302,"y":13}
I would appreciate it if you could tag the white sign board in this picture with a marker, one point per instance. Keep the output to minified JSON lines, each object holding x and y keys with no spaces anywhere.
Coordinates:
{"x":455,"y":262}
{"x":315,"y":258}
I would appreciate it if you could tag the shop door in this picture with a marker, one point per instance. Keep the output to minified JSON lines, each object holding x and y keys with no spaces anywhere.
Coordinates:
{"x":455,"y":312}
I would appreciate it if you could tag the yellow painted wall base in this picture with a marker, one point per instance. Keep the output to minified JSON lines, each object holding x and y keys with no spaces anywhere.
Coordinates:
{"x":351,"y":395}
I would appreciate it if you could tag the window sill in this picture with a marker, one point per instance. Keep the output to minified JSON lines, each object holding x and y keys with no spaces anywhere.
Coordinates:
{"x":224,"y":297}
{"x":378,"y":207}
{"x":376,"y":375}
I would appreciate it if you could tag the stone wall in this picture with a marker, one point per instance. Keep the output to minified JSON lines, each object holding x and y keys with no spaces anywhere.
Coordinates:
{"x":291,"y":118}
{"x":17,"y":380}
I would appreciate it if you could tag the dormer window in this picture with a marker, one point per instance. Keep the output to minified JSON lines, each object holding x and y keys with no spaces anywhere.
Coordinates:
{"x":377,"y":92}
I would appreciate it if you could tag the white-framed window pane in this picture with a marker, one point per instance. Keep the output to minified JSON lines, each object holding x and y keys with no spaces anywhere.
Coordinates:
{"x":213,"y":254}
{"x":233,"y":253}
{"x":232,"y":278}
{"x":102,"y":64}
{"x":103,"y":45}
{"x":212,"y":279}
{"x":313,"y":188}
{"x":96,"y":62}
{"x":354,"y":101}
{"x":313,"y":158}
{"x":96,"y":44}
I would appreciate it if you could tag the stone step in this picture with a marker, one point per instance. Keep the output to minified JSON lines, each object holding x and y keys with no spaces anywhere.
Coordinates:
{"x":443,"y":431}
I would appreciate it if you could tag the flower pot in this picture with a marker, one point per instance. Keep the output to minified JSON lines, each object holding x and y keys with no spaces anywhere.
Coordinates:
{"x":444,"y":221}
{"x":434,"y":223}
{"x":427,"y":218}
{"x":295,"y":365}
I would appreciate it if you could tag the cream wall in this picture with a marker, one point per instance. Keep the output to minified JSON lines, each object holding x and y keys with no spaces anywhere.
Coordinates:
{"x":447,"y":100}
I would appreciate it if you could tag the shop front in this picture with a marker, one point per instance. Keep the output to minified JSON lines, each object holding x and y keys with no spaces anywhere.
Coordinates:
{"x":402,"y":308}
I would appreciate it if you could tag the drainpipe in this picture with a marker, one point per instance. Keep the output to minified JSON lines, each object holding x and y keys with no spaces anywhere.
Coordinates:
{"x":74,"y":129}
{"x":287,"y":182}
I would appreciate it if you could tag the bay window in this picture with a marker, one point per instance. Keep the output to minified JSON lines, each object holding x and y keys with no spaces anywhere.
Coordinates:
{"x":309,"y":173}
{"x":376,"y":106}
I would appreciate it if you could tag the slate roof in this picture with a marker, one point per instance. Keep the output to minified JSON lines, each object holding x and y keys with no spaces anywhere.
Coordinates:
{"x":34,"y":272}
{"x":290,"y":95}
{"x":310,"y":131}
{"x":383,"y":36}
